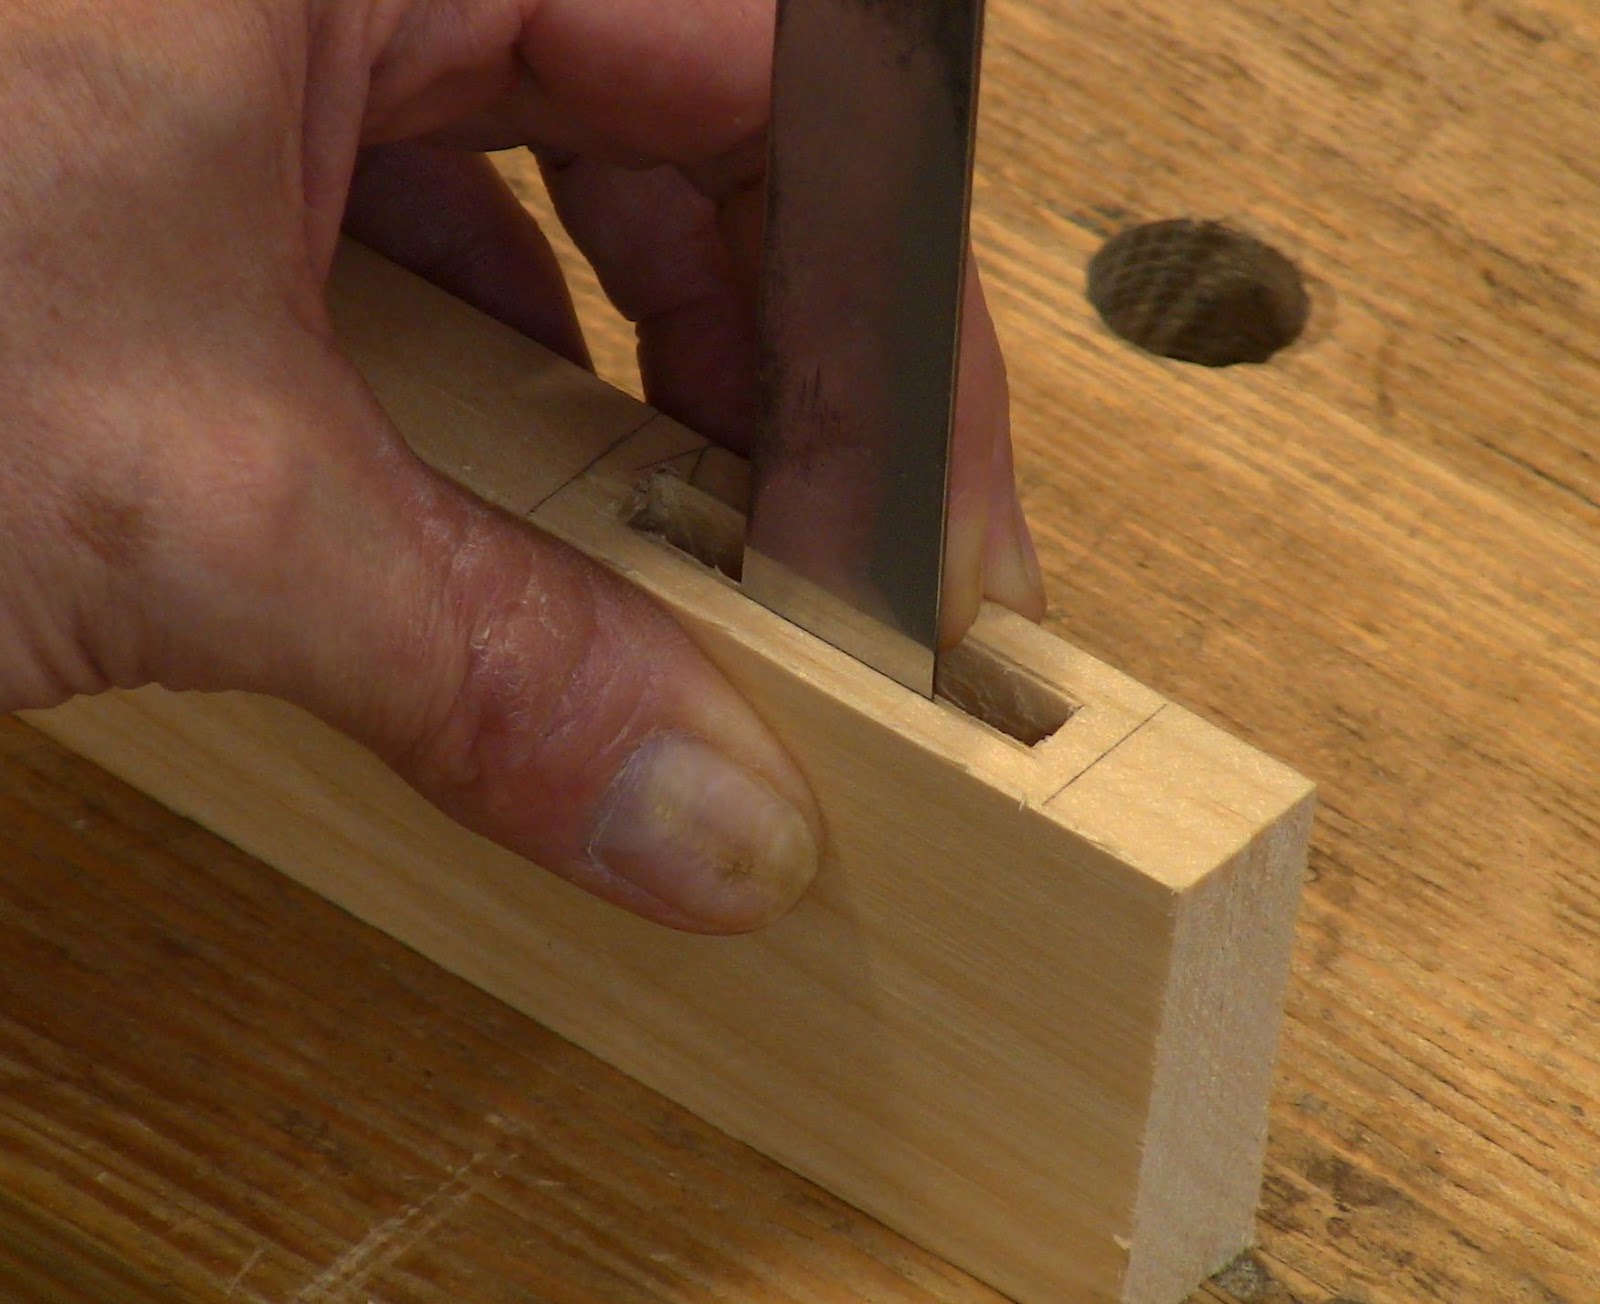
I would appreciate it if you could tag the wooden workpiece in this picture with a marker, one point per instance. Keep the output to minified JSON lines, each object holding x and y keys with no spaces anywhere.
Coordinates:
{"x":1028,"y":1012}
{"x":1375,"y":556}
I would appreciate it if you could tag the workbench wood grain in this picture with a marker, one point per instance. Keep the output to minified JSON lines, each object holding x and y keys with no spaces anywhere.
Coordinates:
{"x":1377,"y":557}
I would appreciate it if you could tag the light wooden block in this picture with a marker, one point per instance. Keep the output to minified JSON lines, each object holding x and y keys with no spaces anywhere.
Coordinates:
{"x":1028,"y":1013}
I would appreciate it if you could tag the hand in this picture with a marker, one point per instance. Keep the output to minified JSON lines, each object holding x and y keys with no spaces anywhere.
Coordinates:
{"x":196,"y":489}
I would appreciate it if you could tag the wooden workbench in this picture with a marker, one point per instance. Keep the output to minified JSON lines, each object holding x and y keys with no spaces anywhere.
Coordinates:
{"x":1377,"y":557}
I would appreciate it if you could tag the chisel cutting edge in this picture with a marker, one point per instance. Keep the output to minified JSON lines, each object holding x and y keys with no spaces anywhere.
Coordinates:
{"x":868,"y":187}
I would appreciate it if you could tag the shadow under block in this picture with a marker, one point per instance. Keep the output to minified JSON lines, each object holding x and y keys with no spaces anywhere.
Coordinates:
{"x":1028,"y":1013}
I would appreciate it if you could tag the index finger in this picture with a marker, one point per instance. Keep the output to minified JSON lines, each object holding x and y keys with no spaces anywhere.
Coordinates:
{"x":680,"y":82}
{"x":636,"y":81}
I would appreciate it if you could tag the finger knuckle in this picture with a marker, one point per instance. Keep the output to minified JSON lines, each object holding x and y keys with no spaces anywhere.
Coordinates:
{"x":545,"y":702}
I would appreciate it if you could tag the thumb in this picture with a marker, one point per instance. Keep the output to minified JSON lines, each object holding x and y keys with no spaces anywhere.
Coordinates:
{"x":526,"y":691}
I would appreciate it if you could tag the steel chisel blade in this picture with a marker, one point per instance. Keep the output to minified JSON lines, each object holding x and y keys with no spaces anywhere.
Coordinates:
{"x":869,"y":182}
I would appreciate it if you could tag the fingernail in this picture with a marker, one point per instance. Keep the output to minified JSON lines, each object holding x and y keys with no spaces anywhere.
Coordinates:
{"x":963,"y":575}
{"x":706,"y":837}
{"x":1011,"y":572}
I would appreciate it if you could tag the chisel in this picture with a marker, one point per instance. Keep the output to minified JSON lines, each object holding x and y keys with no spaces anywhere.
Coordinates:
{"x":868,"y":189}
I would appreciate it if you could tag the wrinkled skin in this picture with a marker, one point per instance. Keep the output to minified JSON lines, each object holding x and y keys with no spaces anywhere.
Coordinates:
{"x":197,"y":490}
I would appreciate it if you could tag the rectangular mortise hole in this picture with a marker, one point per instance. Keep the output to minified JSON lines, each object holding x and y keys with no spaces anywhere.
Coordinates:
{"x":1004,"y":695}
{"x":691,"y":520}
{"x":972,"y":677}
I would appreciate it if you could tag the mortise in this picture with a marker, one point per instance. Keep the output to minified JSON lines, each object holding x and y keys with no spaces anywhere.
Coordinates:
{"x":1001,"y":693}
{"x":691,"y":520}
{"x":699,"y":519}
